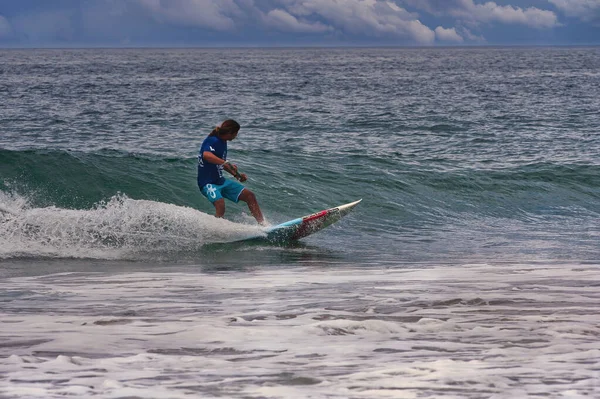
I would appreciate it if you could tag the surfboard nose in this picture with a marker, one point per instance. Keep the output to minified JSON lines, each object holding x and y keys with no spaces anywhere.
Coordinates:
{"x":344,"y":209}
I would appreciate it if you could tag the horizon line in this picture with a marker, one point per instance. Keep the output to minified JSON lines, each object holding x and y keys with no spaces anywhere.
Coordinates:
{"x":320,"y":46}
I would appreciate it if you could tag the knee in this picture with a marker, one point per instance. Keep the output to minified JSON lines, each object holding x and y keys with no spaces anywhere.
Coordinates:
{"x":248,"y":196}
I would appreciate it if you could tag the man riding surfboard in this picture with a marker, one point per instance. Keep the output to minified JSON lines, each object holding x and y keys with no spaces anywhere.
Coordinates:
{"x":212,"y":160}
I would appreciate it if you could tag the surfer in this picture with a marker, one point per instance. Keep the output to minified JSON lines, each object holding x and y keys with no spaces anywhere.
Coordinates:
{"x":212,"y":160}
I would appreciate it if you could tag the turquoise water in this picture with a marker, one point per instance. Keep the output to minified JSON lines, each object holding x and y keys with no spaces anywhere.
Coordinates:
{"x":457,"y":152}
{"x":475,"y":166}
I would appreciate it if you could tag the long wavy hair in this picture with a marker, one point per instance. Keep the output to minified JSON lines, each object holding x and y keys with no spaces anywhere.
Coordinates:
{"x":228,"y":126}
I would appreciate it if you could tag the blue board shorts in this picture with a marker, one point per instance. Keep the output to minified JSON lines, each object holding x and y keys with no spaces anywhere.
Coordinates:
{"x":230,"y":190}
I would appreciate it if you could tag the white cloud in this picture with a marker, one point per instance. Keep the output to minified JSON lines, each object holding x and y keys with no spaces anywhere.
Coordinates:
{"x":5,"y":28}
{"x":419,"y":32}
{"x":492,"y":12}
{"x":586,"y":10}
{"x":284,"y":21}
{"x":210,"y":14}
{"x":472,"y":37}
{"x":364,"y":17}
{"x":385,"y":21}
{"x":370,"y":18}
{"x":473,"y":13}
{"x":448,"y":35}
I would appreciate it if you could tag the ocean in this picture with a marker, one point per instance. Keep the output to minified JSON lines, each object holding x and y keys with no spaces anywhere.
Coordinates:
{"x":471,"y":269}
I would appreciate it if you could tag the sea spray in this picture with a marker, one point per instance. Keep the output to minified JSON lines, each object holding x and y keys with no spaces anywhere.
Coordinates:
{"x":119,"y":227}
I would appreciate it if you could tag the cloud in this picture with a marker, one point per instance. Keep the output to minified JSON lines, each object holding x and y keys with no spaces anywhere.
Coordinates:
{"x":472,"y":37}
{"x":474,"y":14}
{"x":371,"y":18}
{"x":448,"y":35}
{"x":216,"y":15}
{"x":586,"y":10}
{"x":492,"y":12}
{"x":344,"y":18}
{"x":5,"y":28}
{"x":284,"y":21}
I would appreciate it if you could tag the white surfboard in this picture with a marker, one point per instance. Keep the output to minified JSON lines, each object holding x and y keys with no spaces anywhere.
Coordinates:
{"x":296,"y":229}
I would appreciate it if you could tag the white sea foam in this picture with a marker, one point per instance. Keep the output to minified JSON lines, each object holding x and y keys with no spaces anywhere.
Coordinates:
{"x":120,"y":228}
{"x":470,"y":331}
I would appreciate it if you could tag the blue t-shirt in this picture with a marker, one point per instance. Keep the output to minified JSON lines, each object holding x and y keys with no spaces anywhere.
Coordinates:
{"x":209,"y":173}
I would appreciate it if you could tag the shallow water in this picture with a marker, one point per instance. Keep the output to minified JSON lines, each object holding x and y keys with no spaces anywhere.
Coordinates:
{"x":320,"y":330}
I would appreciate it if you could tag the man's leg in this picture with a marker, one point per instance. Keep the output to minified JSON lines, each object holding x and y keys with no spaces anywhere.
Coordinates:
{"x":248,"y":197}
{"x":219,"y":207}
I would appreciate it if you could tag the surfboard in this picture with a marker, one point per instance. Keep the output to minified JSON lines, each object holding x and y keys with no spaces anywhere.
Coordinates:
{"x":296,"y":229}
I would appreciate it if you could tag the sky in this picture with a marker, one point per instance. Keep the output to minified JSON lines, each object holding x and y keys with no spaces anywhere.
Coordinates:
{"x":250,"y":23}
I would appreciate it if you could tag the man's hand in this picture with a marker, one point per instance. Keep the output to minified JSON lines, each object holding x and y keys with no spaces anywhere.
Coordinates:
{"x":233,"y":169}
{"x":230,"y":168}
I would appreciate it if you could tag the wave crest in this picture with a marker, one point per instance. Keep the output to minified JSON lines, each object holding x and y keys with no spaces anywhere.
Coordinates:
{"x":118,"y":228}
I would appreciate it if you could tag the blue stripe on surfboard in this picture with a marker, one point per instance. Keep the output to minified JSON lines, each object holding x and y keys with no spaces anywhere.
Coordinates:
{"x":286,"y":224}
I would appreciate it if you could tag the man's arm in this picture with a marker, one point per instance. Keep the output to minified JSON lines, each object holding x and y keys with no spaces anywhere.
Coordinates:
{"x":229,"y":167}
{"x":212,"y":158}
